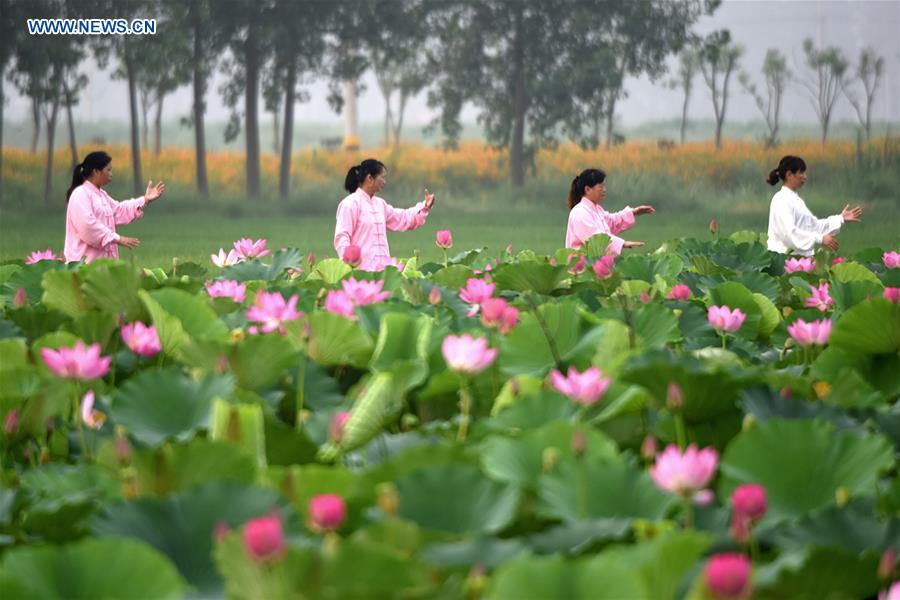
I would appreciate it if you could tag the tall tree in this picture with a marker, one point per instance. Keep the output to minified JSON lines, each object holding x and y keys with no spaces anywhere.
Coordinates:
{"x":247,"y":27}
{"x":829,"y":68}
{"x":72,"y":83}
{"x":11,"y":32}
{"x":718,"y":60}
{"x":683,"y":80}
{"x":868,"y":72}
{"x":346,"y":61}
{"x":776,"y":75}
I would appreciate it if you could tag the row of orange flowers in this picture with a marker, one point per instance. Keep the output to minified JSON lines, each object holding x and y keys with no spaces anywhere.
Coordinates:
{"x":472,"y":164}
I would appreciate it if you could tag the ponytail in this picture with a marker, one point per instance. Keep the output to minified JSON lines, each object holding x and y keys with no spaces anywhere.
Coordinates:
{"x":587,"y":178}
{"x":787,"y":164}
{"x":357,"y":175}
{"x":95,"y":161}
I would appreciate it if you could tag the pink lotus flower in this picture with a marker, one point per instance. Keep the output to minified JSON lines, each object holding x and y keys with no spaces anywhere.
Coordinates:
{"x":603,"y":267}
{"x":679,"y":292}
{"x":352,"y":255}
{"x":92,"y":418}
{"x":11,"y":422}
{"x":891,"y":594}
{"x":648,"y":447}
{"x":364,"y":292}
{"x":142,"y":340}
{"x":39,"y":255}
{"x":891,"y":259}
{"x":749,"y":500}
{"x":227,"y":289}
{"x":509,"y":249}
{"x":78,"y":362}
{"x":582,"y":388}
{"x":476,"y":292}
{"x":396,"y":263}
{"x":578,"y":268}
{"x":674,"y":396}
{"x":326,"y":512}
{"x":21,"y":298}
{"x":264,"y":538}
{"x":467,"y":355}
{"x":810,"y":334}
{"x":497,"y":313}
{"x":723,"y":318}
{"x":271,"y":311}
{"x":246,"y":248}
{"x":727,"y":576}
{"x":685,"y":474}
{"x":837,"y":260}
{"x":223,"y":260}
{"x":792,"y":265}
{"x":892,"y":294}
{"x":434,"y":296}
{"x":713,"y":226}
{"x":339,"y":303}
{"x":820,"y":298}
{"x":336,"y":429}
{"x":444,"y":239}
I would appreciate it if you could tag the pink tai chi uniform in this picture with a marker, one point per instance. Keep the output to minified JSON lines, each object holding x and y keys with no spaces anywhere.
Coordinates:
{"x":363,"y":220}
{"x":91,"y":220}
{"x":587,"y":219}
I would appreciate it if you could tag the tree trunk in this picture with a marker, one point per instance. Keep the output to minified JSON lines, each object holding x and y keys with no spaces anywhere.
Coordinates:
{"x":251,"y":109}
{"x":73,"y":147}
{"x":157,"y":124}
{"x":284,"y":172}
{"x":351,"y":127}
{"x":137,"y":176}
{"x":517,"y":147}
{"x":51,"y":135}
{"x":684,"y":112}
{"x":198,"y":107}
{"x":2,"y":102}
{"x":36,"y":121}
{"x":398,"y":126}
{"x":276,"y":130}
{"x":145,"y":108}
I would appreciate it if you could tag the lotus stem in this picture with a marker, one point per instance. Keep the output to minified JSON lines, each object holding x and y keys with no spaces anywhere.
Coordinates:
{"x":465,"y":408}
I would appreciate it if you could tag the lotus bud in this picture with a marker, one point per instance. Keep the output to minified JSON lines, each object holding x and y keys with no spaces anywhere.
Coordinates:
{"x":326,"y":512}
{"x":264,"y":538}
{"x":579,"y":442}
{"x":549,"y":458}
{"x":886,"y":565}
{"x":786,"y":392}
{"x":20,"y":299}
{"x":123,"y":448}
{"x":434,"y":296}
{"x":338,"y":423}
{"x":714,"y":227}
{"x":388,"y":498}
{"x":221,"y":531}
{"x":222,"y":363}
{"x":674,"y":397}
{"x":11,"y":422}
{"x":842,"y":496}
{"x":310,"y":259}
{"x":648,"y":448}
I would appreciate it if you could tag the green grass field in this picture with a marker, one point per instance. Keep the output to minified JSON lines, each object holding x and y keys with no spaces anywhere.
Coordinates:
{"x":190,"y":235}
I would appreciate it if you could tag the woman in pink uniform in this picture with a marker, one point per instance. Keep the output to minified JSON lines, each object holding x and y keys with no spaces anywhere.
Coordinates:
{"x":586,"y":218}
{"x":92,"y":216}
{"x":363,"y":218}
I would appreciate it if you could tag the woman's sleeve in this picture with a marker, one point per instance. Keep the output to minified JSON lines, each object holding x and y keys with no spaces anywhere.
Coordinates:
{"x":128,"y":210}
{"x":404,"y":219}
{"x":830,"y":224}
{"x":88,"y":228}
{"x":344,"y":226}
{"x":620,"y":221}
{"x":787,"y":231}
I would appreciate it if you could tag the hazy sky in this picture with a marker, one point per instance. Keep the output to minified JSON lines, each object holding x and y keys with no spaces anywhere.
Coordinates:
{"x":756,"y":24}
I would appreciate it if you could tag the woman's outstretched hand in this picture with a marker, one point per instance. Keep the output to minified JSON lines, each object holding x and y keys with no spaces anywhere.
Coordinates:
{"x":429,"y":199}
{"x":128,"y":242}
{"x":851,"y":214}
{"x":643,"y":209}
{"x":629,"y":244}
{"x":830,"y":242}
{"x":154,"y":191}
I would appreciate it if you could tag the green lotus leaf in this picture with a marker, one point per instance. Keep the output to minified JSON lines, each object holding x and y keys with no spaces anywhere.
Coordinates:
{"x":182,"y":525}
{"x":377,"y":572}
{"x":87,"y":570}
{"x":647,"y":266}
{"x":484,"y":551}
{"x":734,"y":295}
{"x":851,"y":271}
{"x":336,"y":340}
{"x":526,"y":350}
{"x":521,"y":460}
{"x":402,"y":349}
{"x":62,"y":292}
{"x":532,"y":411}
{"x":819,"y":573}
{"x":300,"y":483}
{"x":13,"y":354}
{"x":241,"y":425}
{"x":29,"y":278}
{"x":655,"y":326}
{"x":766,"y":404}
{"x":113,"y":287}
{"x":871,"y":327}
{"x":555,"y":578}
{"x":850,"y":293}
{"x":256,"y":270}
{"x":261,"y":360}
{"x":453,"y":277}
{"x":330,"y":270}
{"x":770,"y":318}
{"x":457,"y":499}
{"x":180,"y":316}
{"x":596,"y":245}
{"x":541,"y":278}
{"x":854,"y":528}
{"x":612,"y":490}
{"x":577,"y":536}
{"x":161,"y":404}
{"x":815,"y":465}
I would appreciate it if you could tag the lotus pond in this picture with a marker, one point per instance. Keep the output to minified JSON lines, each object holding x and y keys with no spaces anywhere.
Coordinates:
{"x":709,"y":420}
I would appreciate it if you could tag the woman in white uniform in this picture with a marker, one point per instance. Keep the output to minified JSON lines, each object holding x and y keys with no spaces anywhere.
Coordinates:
{"x":793,"y":229}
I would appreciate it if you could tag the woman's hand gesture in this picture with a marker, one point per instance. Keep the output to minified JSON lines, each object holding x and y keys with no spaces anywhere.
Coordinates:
{"x":429,"y":199}
{"x":632,"y":244}
{"x":851,"y":214}
{"x":128,"y":242}
{"x":154,"y":191}
{"x":643,"y":209}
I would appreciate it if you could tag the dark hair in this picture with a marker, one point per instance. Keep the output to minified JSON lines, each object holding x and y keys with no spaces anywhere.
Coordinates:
{"x":792,"y":164}
{"x":93,"y":161}
{"x":587,"y":178}
{"x":356,"y":175}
